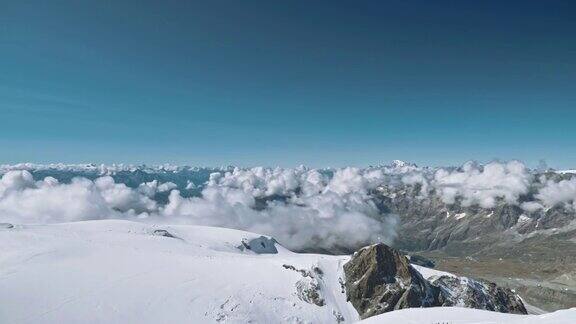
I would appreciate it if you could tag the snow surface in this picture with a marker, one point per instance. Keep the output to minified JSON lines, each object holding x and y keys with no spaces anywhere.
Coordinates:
{"x":428,"y":273}
{"x":457,"y":315}
{"x":113,"y":271}
{"x":460,"y":215}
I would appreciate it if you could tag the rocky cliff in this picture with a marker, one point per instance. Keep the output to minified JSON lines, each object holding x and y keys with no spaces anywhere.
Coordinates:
{"x":380,"y":279}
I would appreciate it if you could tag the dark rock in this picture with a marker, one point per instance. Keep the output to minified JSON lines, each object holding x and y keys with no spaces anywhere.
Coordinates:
{"x":303,"y":272}
{"x":162,"y":232}
{"x":339,"y":318}
{"x":380,"y":279}
{"x":465,"y":292}
{"x":260,"y":245}
{"x":308,"y":288}
{"x":309,"y":291}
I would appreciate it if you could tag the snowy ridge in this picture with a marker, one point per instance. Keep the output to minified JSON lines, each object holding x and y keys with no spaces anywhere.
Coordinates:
{"x":116,"y":271}
{"x":112,"y":271}
{"x":428,"y":273}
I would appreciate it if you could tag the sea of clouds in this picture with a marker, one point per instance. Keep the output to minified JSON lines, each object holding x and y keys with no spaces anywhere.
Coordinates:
{"x":315,"y":210}
{"x":302,"y":208}
{"x":485,"y":185}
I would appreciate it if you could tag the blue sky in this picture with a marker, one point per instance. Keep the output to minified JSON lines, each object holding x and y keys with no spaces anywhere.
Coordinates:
{"x":321,"y":83}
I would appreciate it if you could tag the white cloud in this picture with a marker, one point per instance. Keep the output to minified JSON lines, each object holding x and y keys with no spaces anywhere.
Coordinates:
{"x":554,"y":193}
{"x":414,"y":178}
{"x":150,"y":189}
{"x":318,"y":210}
{"x":122,"y":198}
{"x":24,"y":201}
{"x":311,"y":208}
{"x":531,"y":206}
{"x":483,"y":185}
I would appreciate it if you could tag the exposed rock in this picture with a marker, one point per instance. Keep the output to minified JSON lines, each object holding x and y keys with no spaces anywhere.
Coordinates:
{"x":380,"y":279}
{"x":466,"y":292}
{"x":339,"y":318}
{"x":316,"y":271}
{"x":308,"y":288}
{"x":260,"y":245}
{"x":309,"y":291}
{"x":6,"y":225}
{"x":542,"y":238}
{"x":162,"y":232}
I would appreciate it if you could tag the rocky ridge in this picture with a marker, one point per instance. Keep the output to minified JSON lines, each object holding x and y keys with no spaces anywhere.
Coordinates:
{"x":380,"y":279}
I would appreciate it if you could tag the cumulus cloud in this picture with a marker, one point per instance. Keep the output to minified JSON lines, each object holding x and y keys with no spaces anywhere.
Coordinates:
{"x":483,"y":185}
{"x":531,"y":206}
{"x":417,"y":178}
{"x":150,"y":189}
{"x":553,"y":193}
{"x":24,"y":201}
{"x":317,"y":211}
{"x":302,"y":208}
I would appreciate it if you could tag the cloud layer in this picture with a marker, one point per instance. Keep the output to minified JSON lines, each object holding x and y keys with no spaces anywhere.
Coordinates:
{"x":315,"y":210}
{"x":483,"y":185}
{"x":303,"y":208}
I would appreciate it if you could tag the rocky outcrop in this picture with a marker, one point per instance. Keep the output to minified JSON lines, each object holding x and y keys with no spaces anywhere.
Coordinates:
{"x":6,"y":226}
{"x":380,"y":279}
{"x":260,"y":245}
{"x":308,"y":288}
{"x":466,"y":292}
{"x":163,"y":232}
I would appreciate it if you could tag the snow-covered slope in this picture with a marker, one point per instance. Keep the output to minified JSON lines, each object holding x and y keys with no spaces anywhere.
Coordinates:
{"x":457,"y":315}
{"x":111,"y":271}
{"x":428,"y":273}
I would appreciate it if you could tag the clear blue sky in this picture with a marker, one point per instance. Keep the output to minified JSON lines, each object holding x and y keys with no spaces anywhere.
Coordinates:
{"x":322,"y":83}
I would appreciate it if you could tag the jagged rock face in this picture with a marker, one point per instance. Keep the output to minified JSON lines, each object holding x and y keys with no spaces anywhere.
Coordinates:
{"x":260,"y":245}
{"x":380,"y":279}
{"x":466,"y":292}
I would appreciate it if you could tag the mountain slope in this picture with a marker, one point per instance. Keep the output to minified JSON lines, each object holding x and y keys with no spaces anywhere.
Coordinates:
{"x":113,"y":271}
{"x":127,"y":272}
